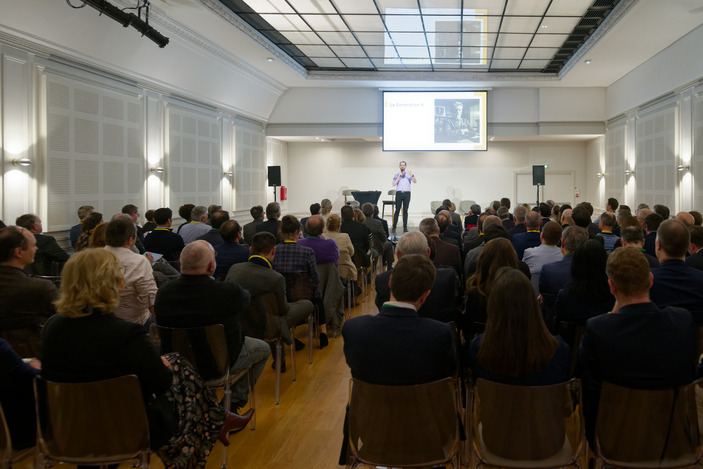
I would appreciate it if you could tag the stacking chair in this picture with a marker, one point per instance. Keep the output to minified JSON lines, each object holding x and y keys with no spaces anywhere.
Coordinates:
{"x":8,"y":457}
{"x":434,"y":205}
{"x":404,"y":426}
{"x":206,"y":349}
{"x":389,"y":202}
{"x":300,"y":287}
{"x":263,"y":321}
{"x":332,"y":295}
{"x":96,"y":423}
{"x":23,"y":332}
{"x":465,"y":206}
{"x":649,"y":428}
{"x":527,"y":426}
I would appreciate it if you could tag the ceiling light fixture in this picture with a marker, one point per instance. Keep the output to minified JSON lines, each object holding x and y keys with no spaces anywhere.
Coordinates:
{"x":21,"y":162}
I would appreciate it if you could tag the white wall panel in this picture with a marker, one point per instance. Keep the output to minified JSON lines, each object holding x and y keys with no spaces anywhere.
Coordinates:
{"x":656,"y":134}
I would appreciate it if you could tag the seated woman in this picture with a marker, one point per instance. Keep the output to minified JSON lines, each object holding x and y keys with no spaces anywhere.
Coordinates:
{"x":517,"y":347}
{"x":85,"y":342}
{"x":88,"y":224}
{"x":587,"y":294}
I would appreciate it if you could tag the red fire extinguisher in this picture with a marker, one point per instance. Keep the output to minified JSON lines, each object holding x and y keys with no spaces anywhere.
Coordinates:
{"x":284,"y":193}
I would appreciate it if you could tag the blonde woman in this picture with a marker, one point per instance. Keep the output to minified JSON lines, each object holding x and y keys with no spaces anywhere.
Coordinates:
{"x":85,"y":342}
{"x":347,"y":269}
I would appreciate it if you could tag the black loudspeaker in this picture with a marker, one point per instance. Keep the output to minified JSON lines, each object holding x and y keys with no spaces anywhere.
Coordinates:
{"x":274,"y":176}
{"x":538,"y":175}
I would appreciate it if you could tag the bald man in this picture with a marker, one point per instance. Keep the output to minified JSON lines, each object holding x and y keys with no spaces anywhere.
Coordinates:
{"x":686,"y":218}
{"x":196,"y":299}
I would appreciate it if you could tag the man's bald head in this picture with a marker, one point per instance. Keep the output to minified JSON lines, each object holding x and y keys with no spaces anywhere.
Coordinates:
{"x":491,"y":220}
{"x":198,"y":258}
{"x":532,"y":220}
{"x":685,"y":218}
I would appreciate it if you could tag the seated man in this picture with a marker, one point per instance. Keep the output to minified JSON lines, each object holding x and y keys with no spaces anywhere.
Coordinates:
{"x":293,"y":260}
{"x":358,"y":233}
{"x":445,"y":254}
{"x":444,"y":300}
{"x":24,"y":301}
{"x":195,"y":299}
{"x":695,"y":260}
{"x":633,"y":236}
{"x":257,"y":213}
{"x":381,"y":245}
{"x":554,"y":276}
{"x":258,"y":277}
{"x":397,"y":346}
{"x":530,"y":238}
{"x":638,"y":345}
{"x":197,"y":226}
{"x":273,"y":213}
{"x":314,"y":210}
{"x":545,"y":253}
{"x":139,"y":290}
{"x":162,"y":240}
{"x":213,"y":236}
{"x":606,"y":226}
{"x":230,"y":252}
{"x":48,"y":250}
{"x":675,"y":282}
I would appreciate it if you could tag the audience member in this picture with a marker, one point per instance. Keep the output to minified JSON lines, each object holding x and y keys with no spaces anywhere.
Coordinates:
{"x":632,"y":236}
{"x":696,"y":247}
{"x":545,"y":211}
{"x":546,"y":253}
{"x":517,"y":347}
{"x":641,"y":215}
{"x":230,"y":251}
{"x":675,"y":282}
{"x":162,"y":240}
{"x":48,"y":250}
{"x":376,"y":217}
{"x":326,"y":209}
{"x":97,"y":237}
{"x":606,"y":225}
{"x":25,"y":301}
{"x":471,"y":219}
{"x":184,"y":212}
{"x":195,"y":299}
{"x":643,"y":346}
{"x":150,"y":223}
{"x":17,"y":397}
{"x":89,"y":224}
{"x":213,"y":236}
{"x":445,"y":295}
{"x":554,"y":276}
{"x":271,"y":225}
{"x":257,"y":213}
{"x":663,"y":211}
{"x":86,"y":342}
{"x":381,"y":245}
{"x":83,"y":211}
{"x":697,"y":217}
{"x":294,"y":260}
{"x":347,"y":269}
{"x":519,"y":215}
{"x":133,"y":212}
{"x":197,"y":225}
{"x":529,"y":239}
{"x":651,"y":225}
{"x":504,"y":215}
{"x":456,"y":218}
{"x":314,"y":210}
{"x":445,"y":254}
{"x":212,"y":209}
{"x":325,"y":250}
{"x":258,"y":277}
{"x":475,"y":241}
{"x":358,"y":233}
{"x":136,"y":302}
{"x":492,"y":231}
{"x":685,"y":218}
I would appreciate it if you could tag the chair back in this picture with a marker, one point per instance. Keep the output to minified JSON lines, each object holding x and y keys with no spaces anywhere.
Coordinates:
{"x":23,"y":332}
{"x":649,"y":428}
{"x":5,"y":442}
{"x":434,"y":205}
{"x":398,"y":426}
{"x":204,"y":347}
{"x":262,"y":319}
{"x":299,"y":287}
{"x":91,"y":423}
{"x":465,"y":205}
{"x":527,"y":426}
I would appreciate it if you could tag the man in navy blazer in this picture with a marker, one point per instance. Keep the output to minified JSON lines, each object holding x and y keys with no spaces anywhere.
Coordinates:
{"x":695,"y":260}
{"x":397,"y":346}
{"x":638,"y":345}
{"x":444,"y":299}
{"x":531,"y":238}
{"x":675,"y":282}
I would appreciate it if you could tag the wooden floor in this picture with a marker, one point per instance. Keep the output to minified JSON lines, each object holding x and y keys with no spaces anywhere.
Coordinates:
{"x":305,"y":429}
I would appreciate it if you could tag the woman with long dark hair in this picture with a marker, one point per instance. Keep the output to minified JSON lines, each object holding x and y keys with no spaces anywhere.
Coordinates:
{"x":516,"y":347}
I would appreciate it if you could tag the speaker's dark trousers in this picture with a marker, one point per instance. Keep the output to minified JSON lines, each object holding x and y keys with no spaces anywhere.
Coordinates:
{"x":401,"y":198}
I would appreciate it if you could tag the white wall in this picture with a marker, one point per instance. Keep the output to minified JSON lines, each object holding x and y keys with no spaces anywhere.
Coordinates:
{"x":322,"y":170}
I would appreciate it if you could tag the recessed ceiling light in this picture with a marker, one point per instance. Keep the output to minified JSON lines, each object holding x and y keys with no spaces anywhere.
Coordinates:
{"x":587,"y":62}
{"x":270,"y":59}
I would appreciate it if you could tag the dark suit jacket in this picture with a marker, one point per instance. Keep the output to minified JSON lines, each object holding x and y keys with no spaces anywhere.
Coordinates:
{"x":443,"y":302}
{"x":48,"y":251}
{"x":678,"y":284}
{"x":520,"y":228}
{"x":523,"y":241}
{"x":213,"y":237}
{"x":164,"y":242}
{"x":641,"y":347}
{"x":24,"y":301}
{"x":269,"y":225}
{"x":397,"y":347}
{"x":447,"y":254}
{"x":508,"y":224}
{"x":249,"y":230}
{"x":379,"y":236}
{"x":650,"y":243}
{"x":17,"y":396}
{"x":696,"y":260}
{"x":359,"y":235}
{"x":554,"y":276}
{"x":200,"y":300}
{"x":385,"y":224}
{"x":229,"y":254}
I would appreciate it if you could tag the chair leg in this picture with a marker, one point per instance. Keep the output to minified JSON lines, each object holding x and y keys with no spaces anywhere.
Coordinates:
{"x":227,"y":402}
{"x":278,"y":371}
{"x":292,"y":353}
{"x":310,"y":334}
{"x":144,"y":460}
{"x":252,"y":396}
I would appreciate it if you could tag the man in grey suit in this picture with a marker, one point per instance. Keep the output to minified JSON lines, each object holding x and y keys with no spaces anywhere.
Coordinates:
{"x":258,"y":277}
{"x":383,"y":247}
{"x":249,"y":230}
